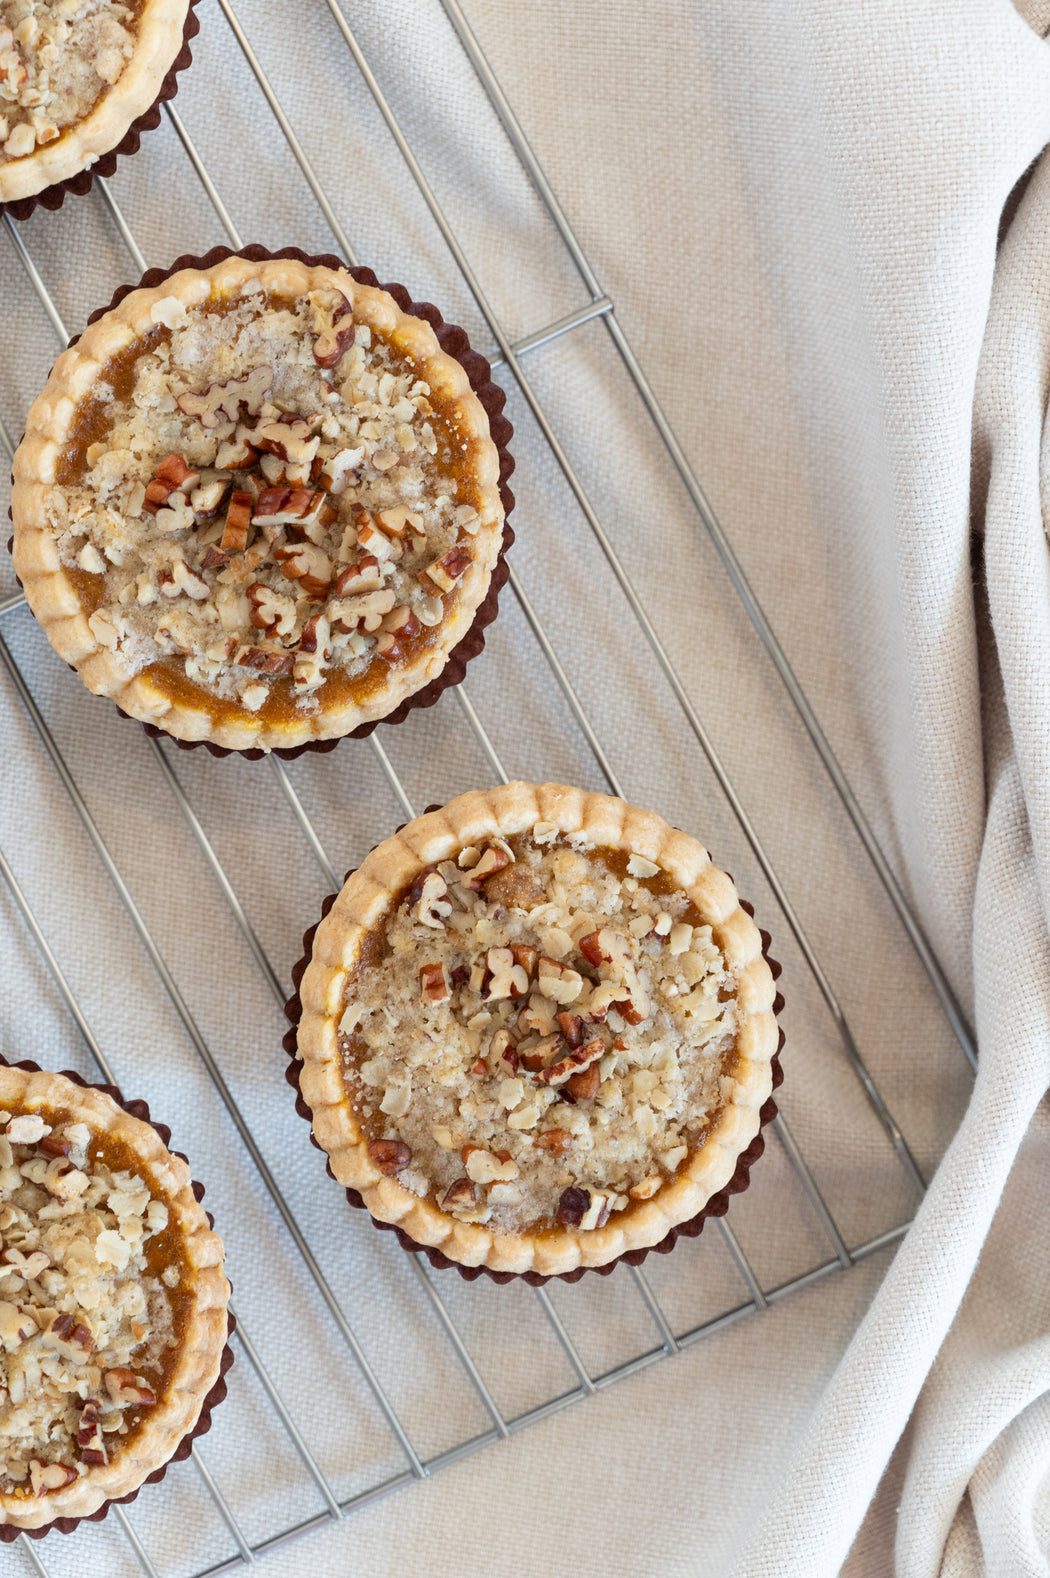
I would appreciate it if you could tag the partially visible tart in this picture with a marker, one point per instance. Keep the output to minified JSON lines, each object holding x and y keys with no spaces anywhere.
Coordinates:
{"x":257,"y":504}
{"x":112,"y":1300}
{"x":536,"y":1029}
{"x":74,"y":76}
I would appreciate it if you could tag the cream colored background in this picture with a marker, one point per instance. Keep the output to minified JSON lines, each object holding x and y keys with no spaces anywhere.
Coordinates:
{"x":795,"y":210}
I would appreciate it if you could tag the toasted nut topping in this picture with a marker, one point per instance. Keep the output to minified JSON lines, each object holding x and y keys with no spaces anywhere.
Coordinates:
{"x":492,"y":860}
{"x":238,"y":522}
{"x":575,"y":1060}
{"x":227,"y":398}
{"x":507,"y":978}
{"x":49,"y":1476}
{"x":445,"y":572}
{"x":459,"y":1194}
{"x":27,"y":1129}
{"x":124,"y":1386}
{"x":555,"y":1141}
{"x":432,"y":906}
{"x":584,"y":1086}
{"x":434,"y":985}
{"x":486,"y":1167}
{"x":333,"y":324}
{"x":390,"y":1156}
{"x":558,"y":982}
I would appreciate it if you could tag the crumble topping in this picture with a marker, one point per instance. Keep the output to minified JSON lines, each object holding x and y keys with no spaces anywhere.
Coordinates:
{"x":274,"y":497}
{"x":57,"y":59}
{"x":84,"y":1324}
{"x":543,"y":1031}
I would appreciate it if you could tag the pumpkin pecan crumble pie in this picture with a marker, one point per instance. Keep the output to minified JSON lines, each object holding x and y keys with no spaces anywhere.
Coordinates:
{"x":257,"y":504}
{"x":536,"y":1030}
{"x":112,"y":1300}
{"x":74,"y":76}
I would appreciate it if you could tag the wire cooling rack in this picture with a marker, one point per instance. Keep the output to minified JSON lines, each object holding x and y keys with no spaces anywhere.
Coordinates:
{"x":581,"y":1339}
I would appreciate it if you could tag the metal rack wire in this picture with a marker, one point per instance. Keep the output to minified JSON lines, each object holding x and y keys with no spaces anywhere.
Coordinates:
{"x":665,"y":1340}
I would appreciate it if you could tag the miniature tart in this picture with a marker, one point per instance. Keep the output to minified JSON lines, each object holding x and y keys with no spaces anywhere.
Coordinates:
{"x":536,"y":1029}
{"x":257,"y":504}
{"x":112,"y":1300}
{"x":74,"y":75}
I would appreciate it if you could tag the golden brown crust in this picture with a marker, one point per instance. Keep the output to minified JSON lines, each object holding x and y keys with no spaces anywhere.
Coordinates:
{"x":52,"y":594}
{"x":158,"y":39}
{"x":196,"y":1366}
{"x":364,"y":901}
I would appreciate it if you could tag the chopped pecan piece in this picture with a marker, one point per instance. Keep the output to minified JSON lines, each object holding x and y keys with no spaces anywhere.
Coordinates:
{"x":584,"y":1085}
{"x":333,"y":324}
{"x":402,"y":623}
{"x":366,"y":612}
{"x":177,"y":474}
{"x":525,"y":956}
{"x":390,"y":1156}
{"x":429,"y":899}
{"x":227,"y":398}
{"x":486,"y":1167}
{"x":265,"y":660}
{"x":124,"y":1387}
{"x":461,"y":1194}
{"x":238,"y":522}
{"x":89,"y":1435}
{"x":397,"y":520}
{"x":575,"y":1060}
{"x":338,"y":470}
{"x":49,"y":1476}
{"x":492,"y":860}
{"x":364,"y":575}
{"x":270,"y":611}
{"x":376,"y":542}
{"x":554,"y":1141}
{"x":559,"y":983}
{"x":315,"y":634}
{"x":434,"y":985}
{"x":446,"y":571}
{"x":309,"y":565}
{"x":66,"y":1332}
{"x":289,"y":438}
{"x":507,"y":979}
{"x":236,"y":453}
{"x":206,"y":500}
{"x":502,"y":1048}
{"x":172,"y":476}
{"x":572,"y":1028}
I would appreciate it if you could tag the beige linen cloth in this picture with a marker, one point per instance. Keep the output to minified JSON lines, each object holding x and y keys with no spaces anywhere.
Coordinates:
{"x":795,"y":209}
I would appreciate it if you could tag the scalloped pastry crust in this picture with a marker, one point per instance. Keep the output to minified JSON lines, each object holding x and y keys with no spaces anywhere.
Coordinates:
{"x":158,"y":39}
{"x":371,"y":895}
{"x":189,"y":711}
{"x":196,"y":1364}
